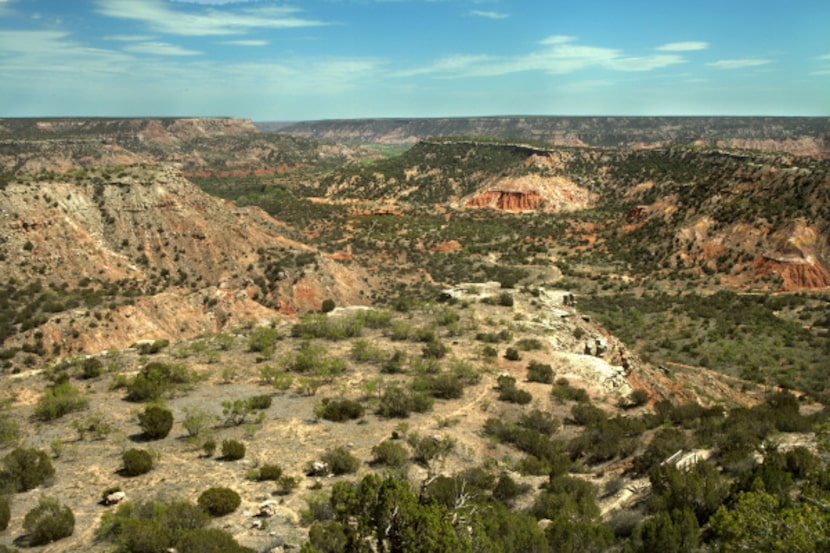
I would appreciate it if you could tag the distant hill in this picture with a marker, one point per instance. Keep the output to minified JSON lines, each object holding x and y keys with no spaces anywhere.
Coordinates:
{"x":748,"y":215}
{"x":209,"y":145}
{"x":797,"y":135}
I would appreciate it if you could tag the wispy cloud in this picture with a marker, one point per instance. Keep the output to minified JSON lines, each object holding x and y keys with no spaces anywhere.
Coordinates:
{"x":130,"y":38}
{"x":690,"y":46}
{"x":738,"y":63}
{"x":213,"y":2}
{"x":115,"y":81}
{"x":161,"y":17}
{"x":245,"y":42}
{"x":824,"y":57}
{"x":489,"y":14}
{"x":160,"y":49}
{"x":558,"y":56}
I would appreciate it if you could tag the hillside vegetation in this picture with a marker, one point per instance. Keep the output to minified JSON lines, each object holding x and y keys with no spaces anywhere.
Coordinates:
{"x":478,"y":343}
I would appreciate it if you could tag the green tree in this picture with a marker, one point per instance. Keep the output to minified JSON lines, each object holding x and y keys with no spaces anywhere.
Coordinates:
{"x":675,"y":532}
{"x":702,"y":489}
{"x":759,"y":522}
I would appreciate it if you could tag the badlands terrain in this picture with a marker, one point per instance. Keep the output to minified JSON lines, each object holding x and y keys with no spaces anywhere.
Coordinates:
{"x":498,"y":334}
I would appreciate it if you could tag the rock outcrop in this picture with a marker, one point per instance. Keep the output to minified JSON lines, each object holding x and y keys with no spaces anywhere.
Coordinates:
{"x":191,"y":263}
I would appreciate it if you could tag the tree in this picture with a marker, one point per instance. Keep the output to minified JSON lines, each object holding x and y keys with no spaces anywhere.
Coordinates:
{"x":675,"y":532}
{"x":702,"y":489}
{"x":759,"y":522}
{"x":392,"y":516}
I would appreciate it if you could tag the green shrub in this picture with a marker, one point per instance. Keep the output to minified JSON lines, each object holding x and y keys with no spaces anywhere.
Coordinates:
{"x":394,"y":365}
{"x":219,"y":501}
{"x":507,"y":489}
{"x":26,"y":469}
{"x":540,"y":421}
{"x":195,"y":421}
{"x":638,"y":397}
{"x":512,"y":354}
{"x":440,"y":386}
{"x":389,"y":453}
{"x":58,"y":400}
{"x":339,"y":410}
{"x":269,"y":472}
{"x":263,"y":339}
{"x":510,"y":393}
{"x":260,"y":402}
{"x":92,"y":367}
{"x":151,"y":348}
{"x":434,"y":350}
{"x":155,"y":422}
{"x":209,"y":447}
{"x":48,"y":522}
{"x":564,"y":391}
{"x":529,"y":344}
{"x":9,"y":429}
{"x":398,"y":403}
{"x":328,"y":305}
{"x":340,"y":461}
{"x":427,"y":448}
{"x":136,"y":462}
{"x":5,"y":513}
{"x":539,"y":372}
{"x":209,"y":540}
{"x":158,"y":526}
{"x":235,"y":411}
{"x":232,"y":450}
{"x":155,"y":380}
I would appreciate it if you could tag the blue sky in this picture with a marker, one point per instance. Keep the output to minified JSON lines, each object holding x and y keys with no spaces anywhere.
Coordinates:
{"x":319,"y":59}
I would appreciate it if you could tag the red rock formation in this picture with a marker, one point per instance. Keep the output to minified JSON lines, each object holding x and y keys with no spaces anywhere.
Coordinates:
{"x":448,"y":246}
{"x":795,"y":276}
{"x":635,"y":213}
{"x":508,"y":200}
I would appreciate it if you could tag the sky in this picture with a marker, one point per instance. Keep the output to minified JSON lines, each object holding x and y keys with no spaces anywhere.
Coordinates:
{"x":271,"y":60}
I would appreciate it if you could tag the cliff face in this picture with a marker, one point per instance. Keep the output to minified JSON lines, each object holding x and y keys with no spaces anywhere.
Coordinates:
{"x":508,"y":200}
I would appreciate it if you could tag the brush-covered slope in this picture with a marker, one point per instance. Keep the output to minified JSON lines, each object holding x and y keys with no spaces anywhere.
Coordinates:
{"x":100,"y":258}
{"x":746,"y":215}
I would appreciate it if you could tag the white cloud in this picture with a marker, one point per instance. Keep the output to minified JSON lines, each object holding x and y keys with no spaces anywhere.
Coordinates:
{"x":160,"y":49}
{"x":213,"y":2}
{"x":738,"y":63}
{"x":690,"y":46}
{"x":40,"y":67}
{"x":824,"y":57}
{"x":559,"y":56}
{"x":160,"y":17}
{"x":245,"y":42}
{"x":557,"y":39}
{"x":130,"y":38}
{"x":489,"y":15}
